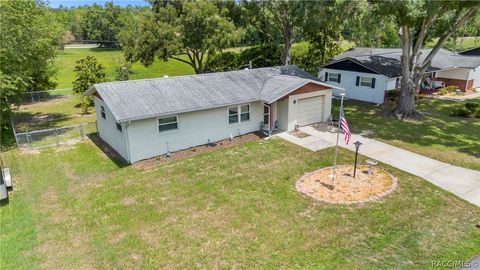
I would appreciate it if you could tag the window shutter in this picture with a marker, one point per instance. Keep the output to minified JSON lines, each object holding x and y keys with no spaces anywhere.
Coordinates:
{"x":326,"y":76}
{"x":339,"y":77}
{"x":373,"y":82}
{"x":358,"y":81}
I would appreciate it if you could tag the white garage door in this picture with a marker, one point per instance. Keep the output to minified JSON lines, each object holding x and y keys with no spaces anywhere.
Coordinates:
{"x":310,"y":110}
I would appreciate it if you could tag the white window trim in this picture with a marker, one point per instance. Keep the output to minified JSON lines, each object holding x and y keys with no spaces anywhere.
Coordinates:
{"x":170,"y":131}
{"x":330,"y":76}
{"x":239,"y":113}
{"x":363,"y":77}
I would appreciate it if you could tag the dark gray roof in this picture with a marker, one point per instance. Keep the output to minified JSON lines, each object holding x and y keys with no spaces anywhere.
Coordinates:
{"x":472,"y":51}
{"x":387,"y":61}
{"x":139,"y":99}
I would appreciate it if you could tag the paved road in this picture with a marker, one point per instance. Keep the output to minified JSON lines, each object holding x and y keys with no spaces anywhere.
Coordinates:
{"x":464,"y":183}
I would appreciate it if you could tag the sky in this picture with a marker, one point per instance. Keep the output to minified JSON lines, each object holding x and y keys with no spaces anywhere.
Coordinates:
{"x":71,"y":3}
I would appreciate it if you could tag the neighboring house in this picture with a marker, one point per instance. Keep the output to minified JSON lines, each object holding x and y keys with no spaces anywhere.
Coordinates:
{"x":367,"y":73}
{"x":141,"y":119}
{"x":471,"y":52}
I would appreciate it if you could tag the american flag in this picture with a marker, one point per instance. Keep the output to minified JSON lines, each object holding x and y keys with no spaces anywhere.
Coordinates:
{"x":344,"y":126}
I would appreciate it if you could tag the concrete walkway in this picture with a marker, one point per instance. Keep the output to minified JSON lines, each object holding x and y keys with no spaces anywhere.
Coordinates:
{"x":464,"y":183}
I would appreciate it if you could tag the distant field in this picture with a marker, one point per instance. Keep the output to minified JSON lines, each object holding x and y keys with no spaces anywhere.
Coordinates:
{"x":66,"y":63}
{"x":463,"y":43}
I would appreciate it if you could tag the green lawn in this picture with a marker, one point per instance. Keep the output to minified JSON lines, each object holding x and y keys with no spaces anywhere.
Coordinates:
{"x":233,"y":208}
{"x":438,"y":135}
{"x":463,"y":43}
{"x":52,"y":113}
{"x":66,"y":63}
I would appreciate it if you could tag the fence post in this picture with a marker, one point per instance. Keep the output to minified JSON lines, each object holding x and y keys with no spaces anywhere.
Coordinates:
{"x":31,"y":95}
{"x":56,"y":136}
{"x":28,"y":140}
{"x":82,"y":135}
{"x":14,"y":132}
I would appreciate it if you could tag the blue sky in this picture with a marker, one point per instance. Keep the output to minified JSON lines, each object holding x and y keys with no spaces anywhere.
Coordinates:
{"x":71,"y":3}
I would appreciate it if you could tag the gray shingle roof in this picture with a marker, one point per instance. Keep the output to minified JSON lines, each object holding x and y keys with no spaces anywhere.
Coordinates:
{"x":387,"y":61}
{"x":139,"y":99}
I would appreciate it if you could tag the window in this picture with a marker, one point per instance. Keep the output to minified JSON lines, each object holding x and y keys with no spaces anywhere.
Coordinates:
{"x":238,"y":114}
{"x":334,"y":77}
{"x":398,"y":83}
{"x":102,"y":112}
{"x":245,"y":113}
{"x":119,"y":127}
{"x":233,"y":115}
{"x":167,"y":123}
{"x":365,"y":81}
{"x":266,"y":114}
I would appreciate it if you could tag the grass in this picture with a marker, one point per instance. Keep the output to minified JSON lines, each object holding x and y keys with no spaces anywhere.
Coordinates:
{"x":66,"y":63}
{"x":232,"y":208}
{"x":463,"y":43}
{"x":438,"y":135}
{"x":49,"y":114}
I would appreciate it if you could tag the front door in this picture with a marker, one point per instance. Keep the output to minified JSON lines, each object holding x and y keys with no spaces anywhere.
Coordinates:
{"x":266,"y":116}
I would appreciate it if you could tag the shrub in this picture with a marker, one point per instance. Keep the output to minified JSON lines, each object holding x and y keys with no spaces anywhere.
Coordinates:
{"x":223,"y":61}
{"x":443,"y":91}
{"x":462,"y":112}
{"x":393,"y":95}
{"x":477,"y":113}
{"x":261,"y":56}
{"x":451,"y":88}
{"x":471,"y":106}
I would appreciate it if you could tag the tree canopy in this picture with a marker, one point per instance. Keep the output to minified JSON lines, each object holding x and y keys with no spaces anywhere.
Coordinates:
{"x":420,"y":21}
{"x":28,"y":46}
{"x":188,"y":34}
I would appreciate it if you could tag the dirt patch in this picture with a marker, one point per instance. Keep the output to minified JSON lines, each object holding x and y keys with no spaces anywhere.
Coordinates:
{"x":299,"y":134}
{"x":128,"y":201}
{"x":346,"y":189}
{"x":190,"y":152}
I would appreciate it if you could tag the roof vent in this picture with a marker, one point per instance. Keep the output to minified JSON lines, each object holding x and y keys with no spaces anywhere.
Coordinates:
{"x":165,"y":76}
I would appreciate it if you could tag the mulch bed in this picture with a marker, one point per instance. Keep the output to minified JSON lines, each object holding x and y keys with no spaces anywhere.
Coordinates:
{"x":319,"y":185}
{"x":190,"y":152}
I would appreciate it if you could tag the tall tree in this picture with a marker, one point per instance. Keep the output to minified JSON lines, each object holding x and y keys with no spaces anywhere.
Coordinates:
{"x":88,"y":71}
{"x":282,"y":21}
{"x":28,"y":46}
{"x":187,"y":33}
{"x":102,"y":23}
{"x":418,"y":21}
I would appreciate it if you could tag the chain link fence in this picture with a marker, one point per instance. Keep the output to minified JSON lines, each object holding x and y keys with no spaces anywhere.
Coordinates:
{"x":66,"y":135}
{"x":35,"y":96}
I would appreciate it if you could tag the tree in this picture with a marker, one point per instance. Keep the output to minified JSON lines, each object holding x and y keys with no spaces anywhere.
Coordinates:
{"x":366,"y":27}
{"x":102,"y":24}
{"x":186,"y":33}
{"x":88,"y":72}
{"x":122,"y":69}
{"x":28,"y":46}
{"x":283,"y":21}
{"x":418,"y":21}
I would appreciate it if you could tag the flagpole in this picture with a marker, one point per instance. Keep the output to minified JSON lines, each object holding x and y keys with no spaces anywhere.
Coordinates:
{"x":338,"y":134}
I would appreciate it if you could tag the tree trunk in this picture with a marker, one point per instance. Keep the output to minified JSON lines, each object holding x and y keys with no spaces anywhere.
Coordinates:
{"x":287,"y":50}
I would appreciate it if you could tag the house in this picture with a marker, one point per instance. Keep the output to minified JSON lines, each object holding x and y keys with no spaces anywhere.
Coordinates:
{"x":368,"y":73}
{"x":472,"y":52}
{"x":141,"y":119}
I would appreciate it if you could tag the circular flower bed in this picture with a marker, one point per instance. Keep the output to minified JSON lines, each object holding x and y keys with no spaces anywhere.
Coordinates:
{"x":344,"y":188}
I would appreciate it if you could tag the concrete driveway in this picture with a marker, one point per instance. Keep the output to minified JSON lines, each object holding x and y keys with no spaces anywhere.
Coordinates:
{"x":464,"y":183}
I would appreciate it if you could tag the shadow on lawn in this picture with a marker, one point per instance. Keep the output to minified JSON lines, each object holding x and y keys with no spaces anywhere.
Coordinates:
{"x":436,"y":128}
{"x":24,"y":121}
{"x":108,"y":150}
